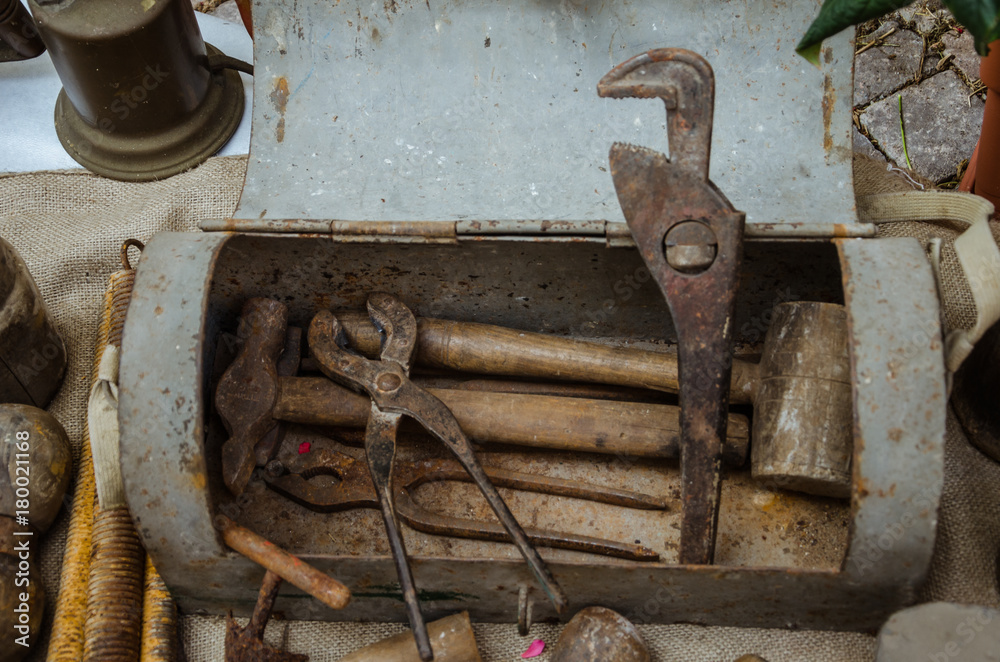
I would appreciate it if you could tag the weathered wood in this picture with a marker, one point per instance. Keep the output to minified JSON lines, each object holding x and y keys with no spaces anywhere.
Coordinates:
{"x":452,"y":640}
{"x":598,"y":426}
{"x":803,"y":427}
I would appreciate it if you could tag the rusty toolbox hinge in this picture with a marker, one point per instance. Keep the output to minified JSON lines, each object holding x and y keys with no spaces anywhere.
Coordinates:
{"x":372,"y":232}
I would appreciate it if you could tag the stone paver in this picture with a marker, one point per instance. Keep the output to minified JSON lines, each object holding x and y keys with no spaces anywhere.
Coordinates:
{"x":962,"y":48}
{"x":883,"y":69}
{"x":926,"y":23}
{"x":228,"y":11}
{"x":863,"y":146}
{"x":942,"y":125}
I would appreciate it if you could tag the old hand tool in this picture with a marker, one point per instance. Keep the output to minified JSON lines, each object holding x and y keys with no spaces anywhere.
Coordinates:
{"x":690,"y":237}
{"x":355,"y":489}
{"x":250,"y":403}
{"x":559,"y":423}
{"x":261,"y":551}
{"x":246,"y":644}
{"x":393,"y":394}
{"x":452,"y":636}
{"x":249,"y":388}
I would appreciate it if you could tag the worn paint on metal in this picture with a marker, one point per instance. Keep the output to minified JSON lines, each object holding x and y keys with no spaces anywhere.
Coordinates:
{"x":458,"y":131}
{"x":778,"y":556}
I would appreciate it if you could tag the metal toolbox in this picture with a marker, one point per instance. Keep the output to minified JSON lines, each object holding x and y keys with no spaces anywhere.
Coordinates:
{"x":455,"y":155}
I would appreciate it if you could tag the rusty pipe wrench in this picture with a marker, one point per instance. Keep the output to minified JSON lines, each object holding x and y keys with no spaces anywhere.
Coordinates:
{"x":388,"y":384}
{"x":690,"y":238}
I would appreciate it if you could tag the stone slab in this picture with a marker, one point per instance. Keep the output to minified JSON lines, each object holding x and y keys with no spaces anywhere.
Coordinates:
{"x":864,"y":146}
{"x":942,"y":125}
{"x":228,"y":11}
{"x":941,"y":632}
{"x":962,"y":47}
{"x":884,"y":69}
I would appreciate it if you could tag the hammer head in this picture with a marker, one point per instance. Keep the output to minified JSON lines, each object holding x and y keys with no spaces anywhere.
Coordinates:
{"x":248,"y":390}
{"x":803,"y":428}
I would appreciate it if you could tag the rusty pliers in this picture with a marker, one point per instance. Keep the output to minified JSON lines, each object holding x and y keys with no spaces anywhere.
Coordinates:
{"x":355,"y":489}
{"x":388,"y":384}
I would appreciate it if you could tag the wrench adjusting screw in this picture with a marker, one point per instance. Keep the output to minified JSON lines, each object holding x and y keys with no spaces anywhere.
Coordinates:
{"x":690,"y":247}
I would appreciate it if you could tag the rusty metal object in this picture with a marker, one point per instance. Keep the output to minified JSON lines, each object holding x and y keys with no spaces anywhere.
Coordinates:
{"x":246,"y":644}
{"x":598,"y":634}
{"x":393,"y":394}
{"x":452,"y":639}
{"x":661,"y":199}
{"x":32,"y":354}
{"x":159,"y":619}
{"x":355,"y":489}
{"x":245,"y":400}
{"x":290,"y":568}
{"x":803,"y":424}
{"x":249,"y":388}
{"x":201,"y":280}
{"x":288,"y":365}
{"x":113,"y":630}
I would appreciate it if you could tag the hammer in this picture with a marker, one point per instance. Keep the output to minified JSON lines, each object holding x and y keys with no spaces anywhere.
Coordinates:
{"x":252,"y":397}
{"x":800,"y":390}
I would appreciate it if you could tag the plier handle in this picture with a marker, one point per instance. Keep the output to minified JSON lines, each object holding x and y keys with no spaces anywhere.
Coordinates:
{"x":393,"y":395}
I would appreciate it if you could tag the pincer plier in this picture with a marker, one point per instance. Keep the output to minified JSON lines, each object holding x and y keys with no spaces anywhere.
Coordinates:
{"x":393,"y":395}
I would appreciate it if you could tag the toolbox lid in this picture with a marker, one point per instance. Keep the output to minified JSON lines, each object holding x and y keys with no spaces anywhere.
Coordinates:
{"x":483,"y":110}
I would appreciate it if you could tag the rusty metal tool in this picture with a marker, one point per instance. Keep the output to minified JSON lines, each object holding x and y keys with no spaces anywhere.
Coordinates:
{"x":255,"y":389}
{"x":246,"y":644}
{"x":355,"y":489}
{"x":321,"y":586}
{"x":690,"y":237}
{"x":393,"y":395}
{"x":249,"y":388}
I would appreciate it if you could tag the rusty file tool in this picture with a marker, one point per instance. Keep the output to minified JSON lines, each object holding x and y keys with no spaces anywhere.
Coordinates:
{"x":355,"y":489}
{"x":388,"y":384}
{"x":690,"y":238}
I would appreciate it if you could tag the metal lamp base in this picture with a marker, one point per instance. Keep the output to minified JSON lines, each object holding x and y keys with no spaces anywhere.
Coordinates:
{"x":147,"y":157}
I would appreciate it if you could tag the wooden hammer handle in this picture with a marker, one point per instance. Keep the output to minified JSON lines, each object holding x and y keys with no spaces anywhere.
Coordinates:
{"x":598,"y":426}
{"x":496,"y":350}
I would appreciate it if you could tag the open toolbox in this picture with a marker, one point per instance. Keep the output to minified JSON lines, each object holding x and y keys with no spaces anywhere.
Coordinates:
{"x":456,"y":157}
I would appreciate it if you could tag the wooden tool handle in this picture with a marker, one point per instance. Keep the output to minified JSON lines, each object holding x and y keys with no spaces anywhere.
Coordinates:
{"x":451,"y":637}
{"x":497,"y":350}
{"x":597,"y":426}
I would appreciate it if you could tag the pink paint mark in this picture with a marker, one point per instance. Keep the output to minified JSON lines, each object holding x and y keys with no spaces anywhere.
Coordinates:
{"x":534,"y":650}
{"x":304,"y":447}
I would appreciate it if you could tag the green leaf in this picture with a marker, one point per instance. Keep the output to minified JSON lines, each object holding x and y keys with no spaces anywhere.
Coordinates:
{"x":980,"y":17}
{"x":835,"y":15}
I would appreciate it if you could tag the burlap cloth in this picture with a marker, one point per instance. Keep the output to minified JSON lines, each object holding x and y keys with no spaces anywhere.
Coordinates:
{"x":68,"y":226}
